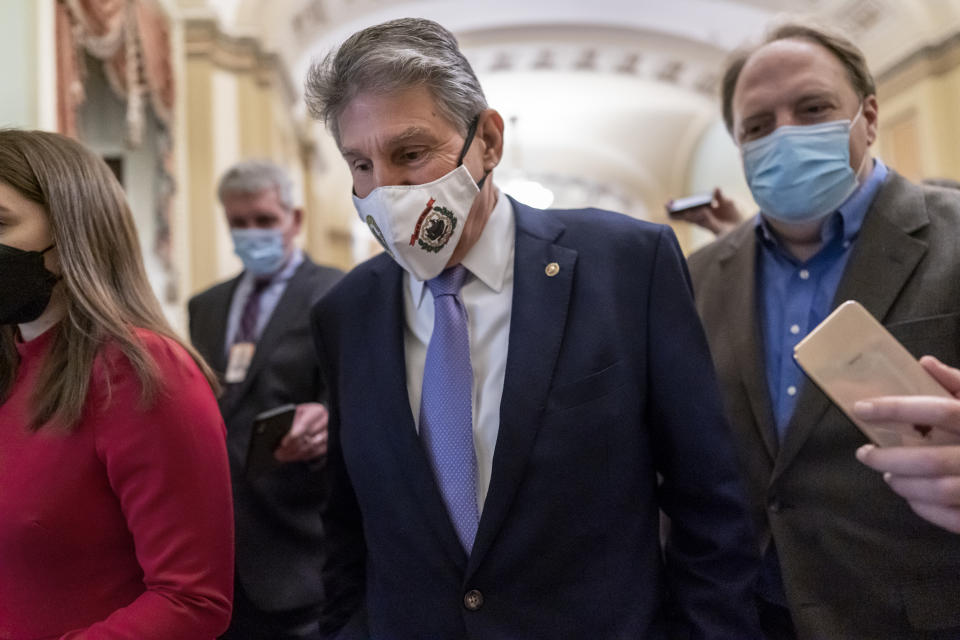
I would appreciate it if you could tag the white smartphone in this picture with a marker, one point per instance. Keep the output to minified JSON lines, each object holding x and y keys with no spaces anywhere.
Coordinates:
{"x":680,"y":206}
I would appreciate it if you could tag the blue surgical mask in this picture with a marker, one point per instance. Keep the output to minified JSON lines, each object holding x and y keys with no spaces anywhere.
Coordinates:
{"x":261,"y":250}
{"x":801,"y":173}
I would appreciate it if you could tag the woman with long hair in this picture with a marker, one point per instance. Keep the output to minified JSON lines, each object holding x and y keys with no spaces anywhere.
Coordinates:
{"x":115,"y":503}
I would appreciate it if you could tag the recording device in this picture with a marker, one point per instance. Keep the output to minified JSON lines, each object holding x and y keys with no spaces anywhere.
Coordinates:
{"x":852,"y":357}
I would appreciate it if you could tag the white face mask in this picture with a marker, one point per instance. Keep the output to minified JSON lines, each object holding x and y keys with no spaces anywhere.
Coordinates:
{"x":420,"y":225}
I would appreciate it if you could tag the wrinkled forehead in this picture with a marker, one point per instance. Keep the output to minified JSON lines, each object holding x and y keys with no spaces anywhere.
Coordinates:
{"x":788,"y":68}
{"x":266,"y":199}
{"x":390,"y":114}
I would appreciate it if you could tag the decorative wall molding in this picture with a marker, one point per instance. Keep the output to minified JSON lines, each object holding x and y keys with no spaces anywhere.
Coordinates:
{"x":654,"y":67}
{"x":203,"y":38}
{"x":930,"y":61}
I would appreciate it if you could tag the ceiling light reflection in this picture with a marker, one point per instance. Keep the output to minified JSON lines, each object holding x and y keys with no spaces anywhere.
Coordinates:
{"x":529,"y":192}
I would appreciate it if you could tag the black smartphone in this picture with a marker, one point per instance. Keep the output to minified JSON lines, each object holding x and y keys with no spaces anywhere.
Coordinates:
{"x":678,"y":207}
{"x":269,"y":428}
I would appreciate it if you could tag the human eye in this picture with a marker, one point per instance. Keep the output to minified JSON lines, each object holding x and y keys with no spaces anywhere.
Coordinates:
{"x":816,"y":110}
{"x":359,"y":165}
{"x":754,"y":129}
{"x":411,"y":155}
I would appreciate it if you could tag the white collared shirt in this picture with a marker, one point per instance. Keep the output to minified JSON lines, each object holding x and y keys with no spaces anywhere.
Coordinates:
{"x":488,"y":298}
{"x":269,"y":298}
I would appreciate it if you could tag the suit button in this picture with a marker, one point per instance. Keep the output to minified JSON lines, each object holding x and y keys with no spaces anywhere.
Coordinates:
{"x":473,"y":600}
{"x":775,"y":505}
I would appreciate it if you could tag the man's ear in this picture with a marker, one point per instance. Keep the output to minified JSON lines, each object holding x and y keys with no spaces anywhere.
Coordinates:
{"x":297,"y":214}
{"x":490,"y":132}
{"x":871,"y":111}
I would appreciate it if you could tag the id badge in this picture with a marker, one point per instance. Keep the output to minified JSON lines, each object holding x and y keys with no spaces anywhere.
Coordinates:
{"x":241,"y":354}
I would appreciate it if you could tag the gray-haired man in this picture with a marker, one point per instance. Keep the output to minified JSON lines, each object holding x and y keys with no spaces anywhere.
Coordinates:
{"x":253,"y":330}
{"x":505,"y":386}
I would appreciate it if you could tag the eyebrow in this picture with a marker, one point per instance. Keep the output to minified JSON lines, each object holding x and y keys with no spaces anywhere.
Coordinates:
{"x":404,"y":136}
{"x":817,"y":94}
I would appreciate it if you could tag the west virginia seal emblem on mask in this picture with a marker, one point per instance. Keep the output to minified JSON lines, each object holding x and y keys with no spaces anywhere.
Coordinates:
{"x":434,"y":228}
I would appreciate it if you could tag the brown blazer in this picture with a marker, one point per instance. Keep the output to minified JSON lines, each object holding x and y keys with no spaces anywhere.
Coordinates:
{"x":856,"y":561}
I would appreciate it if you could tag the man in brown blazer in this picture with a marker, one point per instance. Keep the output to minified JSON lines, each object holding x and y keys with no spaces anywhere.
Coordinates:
{"x":845,"y":557}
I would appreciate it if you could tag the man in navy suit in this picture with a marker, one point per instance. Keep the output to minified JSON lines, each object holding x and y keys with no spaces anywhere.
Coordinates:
{"x":514,"y":394}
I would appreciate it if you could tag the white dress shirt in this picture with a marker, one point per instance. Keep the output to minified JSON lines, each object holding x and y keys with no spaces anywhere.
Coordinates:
{"x":487,"y":295}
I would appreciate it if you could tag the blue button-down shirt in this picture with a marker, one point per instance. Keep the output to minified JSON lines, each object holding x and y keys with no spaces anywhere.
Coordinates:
{"x":796,"y":296}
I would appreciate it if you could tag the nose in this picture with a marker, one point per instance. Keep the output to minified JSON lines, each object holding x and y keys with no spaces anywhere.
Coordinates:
{"x":785,"y":116}
{"x":386,"y":175}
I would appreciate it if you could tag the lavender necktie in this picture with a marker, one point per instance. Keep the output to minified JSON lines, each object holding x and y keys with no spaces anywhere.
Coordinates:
{"x":446,"y":417}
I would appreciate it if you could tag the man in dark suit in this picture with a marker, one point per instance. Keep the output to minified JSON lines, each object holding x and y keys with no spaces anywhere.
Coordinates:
{"x":510,"y":390}
{"x":844,"y":556}
{"x":253,"y":330}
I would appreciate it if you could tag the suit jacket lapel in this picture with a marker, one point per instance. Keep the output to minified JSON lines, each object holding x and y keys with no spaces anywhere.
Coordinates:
{"x":294,"y":300}
{"x":214,"y":325}
{"x":387,"y":375}
{"x":537,"y":325}
{"x":740,"y":267}
{"x":883,"y":258}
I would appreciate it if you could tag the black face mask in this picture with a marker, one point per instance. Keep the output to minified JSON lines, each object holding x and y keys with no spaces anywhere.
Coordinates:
{"x":25,"y":285}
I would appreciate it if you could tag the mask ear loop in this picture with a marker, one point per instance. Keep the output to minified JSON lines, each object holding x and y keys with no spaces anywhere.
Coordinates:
{"x":56,"y":276}
{"x":471,"y":132}
{"x":857,"y":117}
{"x":863,"y":160}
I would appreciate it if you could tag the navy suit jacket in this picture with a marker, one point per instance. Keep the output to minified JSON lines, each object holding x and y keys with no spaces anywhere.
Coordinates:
{"x":610,"y":411}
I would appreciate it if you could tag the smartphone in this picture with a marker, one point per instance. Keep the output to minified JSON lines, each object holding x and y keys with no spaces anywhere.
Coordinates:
{"x":852,"y":357}
{"x":269,"y":428}
{"x":680,"y":206}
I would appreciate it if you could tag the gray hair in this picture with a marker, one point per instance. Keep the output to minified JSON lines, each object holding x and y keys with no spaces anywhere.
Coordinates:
{"x":254,"y":176}
{"x":393,"y":56}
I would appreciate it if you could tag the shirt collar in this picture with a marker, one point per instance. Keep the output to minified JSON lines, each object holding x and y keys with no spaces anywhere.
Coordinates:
{"x":285,"y":273}
{"x":848,"y":218}
{"x":489,"y":259}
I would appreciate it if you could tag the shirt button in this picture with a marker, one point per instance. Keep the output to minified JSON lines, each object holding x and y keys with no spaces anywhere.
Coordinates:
{"x":791,"y":390}
{"x":473,"y":600}
{"x":804,"y":274}
{"x":795,"y":329}
{"x":846,"y":244}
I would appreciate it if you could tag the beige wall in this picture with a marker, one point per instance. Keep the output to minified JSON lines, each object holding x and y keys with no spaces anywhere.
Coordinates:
{"x":920,"y":114}
{"x":28,"y":90}
{"x":237,"y":105}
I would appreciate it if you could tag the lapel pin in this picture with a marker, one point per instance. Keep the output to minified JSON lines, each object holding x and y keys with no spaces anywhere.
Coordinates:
{"x":552,"y":269}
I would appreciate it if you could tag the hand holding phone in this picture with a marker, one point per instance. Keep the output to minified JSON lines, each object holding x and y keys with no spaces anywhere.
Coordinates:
{"x":269,"y":428}
{"x":927,"y":477}
{"x":712,"y":211}
{"x":676,"y":209}
{"x":852,"y":358}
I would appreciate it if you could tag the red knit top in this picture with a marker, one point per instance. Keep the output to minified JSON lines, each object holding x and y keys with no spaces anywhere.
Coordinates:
{"x":122,"y":528}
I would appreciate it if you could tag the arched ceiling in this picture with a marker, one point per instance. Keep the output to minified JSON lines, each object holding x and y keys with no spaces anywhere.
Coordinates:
{"x":301,"y":30}
{"x":616,"y":92}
